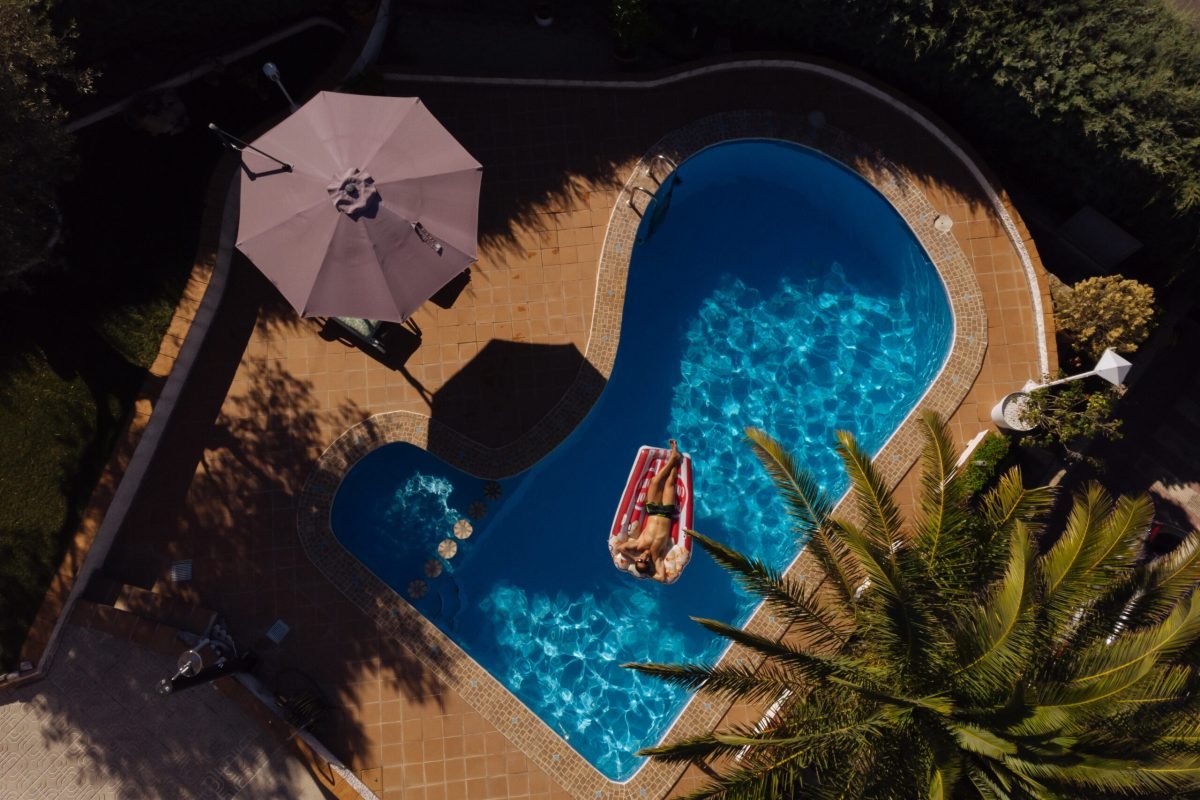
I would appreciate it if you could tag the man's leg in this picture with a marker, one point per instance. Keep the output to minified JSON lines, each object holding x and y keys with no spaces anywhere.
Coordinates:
{"x":672,"y":475}
{"x":654,"y":493}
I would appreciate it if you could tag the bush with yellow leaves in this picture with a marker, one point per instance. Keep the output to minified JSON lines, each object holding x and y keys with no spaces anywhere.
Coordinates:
{"x":1107,"y":311}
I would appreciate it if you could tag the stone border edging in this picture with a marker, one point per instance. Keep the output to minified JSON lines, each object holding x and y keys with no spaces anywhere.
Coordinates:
{"x":255,"y":687}
{"x":395,"y":617}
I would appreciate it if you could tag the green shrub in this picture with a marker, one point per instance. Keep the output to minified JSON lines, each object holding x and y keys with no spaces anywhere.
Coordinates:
{"x":984,"y":464}
{"x":1092,"y":100}
{"x":1065,"y":415}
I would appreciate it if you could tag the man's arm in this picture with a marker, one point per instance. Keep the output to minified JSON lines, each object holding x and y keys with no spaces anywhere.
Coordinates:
{"x":660,"y":570}
{"x":630,"y":547}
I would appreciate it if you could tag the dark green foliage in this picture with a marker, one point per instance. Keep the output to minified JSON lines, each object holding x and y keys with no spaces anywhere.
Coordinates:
{"x":36,"y":153}
{"x":981,"y":471}
{"x":61,"y":411}
{"x":1069,"y":415}
{"x":949,"y":658}
{"x":137,"y":43}
{"x":1096,"y":100}
{"x":75,"y":348}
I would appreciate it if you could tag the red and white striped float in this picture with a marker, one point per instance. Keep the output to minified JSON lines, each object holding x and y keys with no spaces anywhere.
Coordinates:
{"x":632,"y":510}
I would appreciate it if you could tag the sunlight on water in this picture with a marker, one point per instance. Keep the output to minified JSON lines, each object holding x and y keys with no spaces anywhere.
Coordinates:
{"x":563,"y":652}
{"x":799,"y":363}
{"x":769,"y":305}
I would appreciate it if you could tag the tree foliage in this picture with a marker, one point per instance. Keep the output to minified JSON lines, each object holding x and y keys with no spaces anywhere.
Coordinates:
{"x":35,"y":149}
{"x":1106,"y":311}
{"x":947,"y":657}
{"x":1100,"y":97}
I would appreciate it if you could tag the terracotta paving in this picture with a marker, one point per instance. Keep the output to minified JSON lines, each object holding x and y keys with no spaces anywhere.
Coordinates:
{"x":270,"y":393}
{"x":95,"y":728}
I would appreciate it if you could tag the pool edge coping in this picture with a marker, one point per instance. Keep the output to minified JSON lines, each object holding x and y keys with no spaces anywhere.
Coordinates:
{"x":395,"y":617}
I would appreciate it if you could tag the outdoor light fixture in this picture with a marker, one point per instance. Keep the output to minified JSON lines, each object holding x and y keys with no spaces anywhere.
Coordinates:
{"x":1111,"y":367}
{"x":272,"y":72}
{"x":1007,"y":413}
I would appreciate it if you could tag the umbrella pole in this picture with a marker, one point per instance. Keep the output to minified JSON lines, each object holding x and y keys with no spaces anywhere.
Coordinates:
{"x":229,"y":140}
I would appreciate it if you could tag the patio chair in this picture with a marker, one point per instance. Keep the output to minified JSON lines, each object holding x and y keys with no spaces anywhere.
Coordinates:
{"x":365,"y":330}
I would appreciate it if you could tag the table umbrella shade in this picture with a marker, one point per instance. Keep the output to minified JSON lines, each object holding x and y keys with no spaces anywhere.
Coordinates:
{"x":379,"y":210}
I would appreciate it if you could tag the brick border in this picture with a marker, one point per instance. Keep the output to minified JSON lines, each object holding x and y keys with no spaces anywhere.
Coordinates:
{"x":396,"y":618}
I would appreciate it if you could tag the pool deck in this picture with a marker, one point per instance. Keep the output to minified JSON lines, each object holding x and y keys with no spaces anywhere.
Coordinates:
{"x":269,"y":394}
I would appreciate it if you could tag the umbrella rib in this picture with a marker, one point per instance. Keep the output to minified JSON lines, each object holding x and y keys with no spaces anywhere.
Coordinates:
{"x":381,"y":185}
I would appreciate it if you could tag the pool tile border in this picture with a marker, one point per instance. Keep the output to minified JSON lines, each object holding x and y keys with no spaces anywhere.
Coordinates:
{"x":396,"y":618}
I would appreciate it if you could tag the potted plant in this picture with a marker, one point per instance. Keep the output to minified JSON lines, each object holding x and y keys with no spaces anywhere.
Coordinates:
{"x":1067,"y":416}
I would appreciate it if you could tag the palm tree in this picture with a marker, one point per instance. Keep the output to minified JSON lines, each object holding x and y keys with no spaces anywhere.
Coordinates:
{"x":952,"y":658}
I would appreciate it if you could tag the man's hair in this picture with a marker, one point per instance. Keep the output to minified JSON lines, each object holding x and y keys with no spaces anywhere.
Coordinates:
{"x":644,"y":566}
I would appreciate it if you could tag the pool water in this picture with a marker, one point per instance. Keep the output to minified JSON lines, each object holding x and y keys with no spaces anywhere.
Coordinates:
{"x":772,"y":287}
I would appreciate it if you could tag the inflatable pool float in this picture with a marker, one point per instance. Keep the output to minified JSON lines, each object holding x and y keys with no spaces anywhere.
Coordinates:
{"x":632,"y":510}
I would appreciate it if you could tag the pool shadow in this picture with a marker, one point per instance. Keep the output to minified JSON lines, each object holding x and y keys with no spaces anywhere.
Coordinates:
{"x":510,"y":387}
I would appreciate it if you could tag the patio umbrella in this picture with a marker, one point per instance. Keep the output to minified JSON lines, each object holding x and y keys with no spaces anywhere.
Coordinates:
{"x":376,"y":209}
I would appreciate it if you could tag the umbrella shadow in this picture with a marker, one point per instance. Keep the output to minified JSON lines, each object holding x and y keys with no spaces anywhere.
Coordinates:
{"x":508,"y":388}
{"x":448,"y":295}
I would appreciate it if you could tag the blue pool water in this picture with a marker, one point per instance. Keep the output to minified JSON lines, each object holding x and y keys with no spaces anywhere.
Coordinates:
{"x":776,"y":289}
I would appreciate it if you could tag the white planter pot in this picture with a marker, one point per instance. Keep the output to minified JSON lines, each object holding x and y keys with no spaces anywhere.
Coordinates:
{"x":1007,"y":413}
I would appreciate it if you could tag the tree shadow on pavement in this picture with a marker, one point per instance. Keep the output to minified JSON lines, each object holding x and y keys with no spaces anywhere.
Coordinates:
{"x":96,"y":724}
{"x":222,"y":491}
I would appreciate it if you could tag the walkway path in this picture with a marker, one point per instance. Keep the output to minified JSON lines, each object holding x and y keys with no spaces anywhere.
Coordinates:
{"x":95,"y":728}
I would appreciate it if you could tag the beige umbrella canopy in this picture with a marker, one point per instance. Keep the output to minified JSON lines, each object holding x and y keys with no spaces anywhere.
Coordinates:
{"x":376,"y":211}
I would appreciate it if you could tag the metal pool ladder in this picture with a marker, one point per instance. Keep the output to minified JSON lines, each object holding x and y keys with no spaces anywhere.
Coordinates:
{"x":650,"y":173}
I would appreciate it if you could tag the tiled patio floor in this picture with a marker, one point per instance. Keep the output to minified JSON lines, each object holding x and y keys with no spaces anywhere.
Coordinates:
{"x":95,"y":728}
{"x":269,"y":393}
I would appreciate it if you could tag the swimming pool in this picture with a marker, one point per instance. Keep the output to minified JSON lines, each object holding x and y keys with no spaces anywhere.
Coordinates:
{"x":776,"y":289}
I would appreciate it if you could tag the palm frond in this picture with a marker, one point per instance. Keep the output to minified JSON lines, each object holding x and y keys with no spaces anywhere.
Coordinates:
{"x":1010,"y":502}
{"x":902,"y":625}
{"x":881,"y":517}
{"x":809,"y":508}
{"x":1120,"y":535}
{"x":942,"y":502}
{"x":798,"y":604}
{"x":732,"y":682}
{"x":1098,"y":543}
{"x":691,"y":750}
{"x":1167,"y":579}
{"x":810,"y":665}
{"x":752,"y":784}
{"x":1181,"y":729}
{"x":1165,"y":685}
{"x":994,"y":636}
{"x":982,"y":742}
{"x":1069,"y":555}
{"x":1105,"y":672}
{"x":1113,"y":776}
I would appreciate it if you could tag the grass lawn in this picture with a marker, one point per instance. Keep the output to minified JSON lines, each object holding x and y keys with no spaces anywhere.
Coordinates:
{"x":76,"y":350}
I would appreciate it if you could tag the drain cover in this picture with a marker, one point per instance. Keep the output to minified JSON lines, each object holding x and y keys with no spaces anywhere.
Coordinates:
{"x":181,"y":571}
{"x":277,"y":631}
